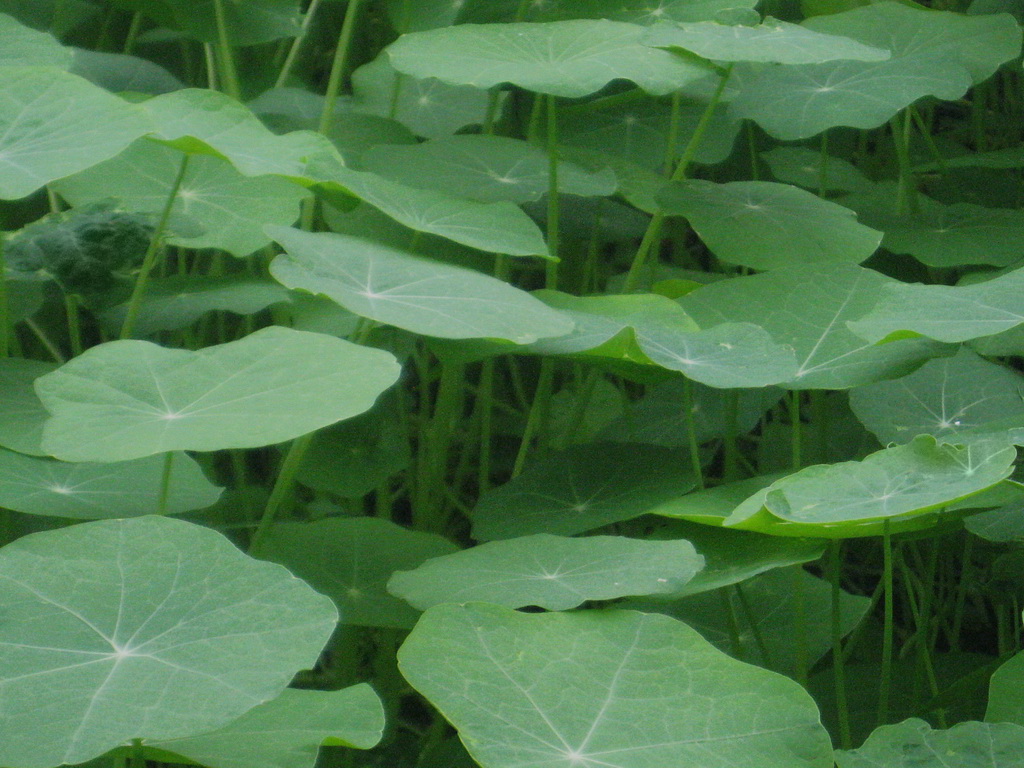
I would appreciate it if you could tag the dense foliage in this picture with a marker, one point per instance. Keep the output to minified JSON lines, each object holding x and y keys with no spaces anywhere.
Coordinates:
{"x":628,"y":383}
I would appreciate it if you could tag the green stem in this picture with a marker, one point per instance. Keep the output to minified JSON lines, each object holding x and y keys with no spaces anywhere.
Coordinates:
{"x":432,"y":481}
{"x":691,"y":432}
{"x":486,"y":404}
{"x":212,"y":81}
{"x":74,"y":326}
{"x":5,"y":310}
{"x":537,"y":410}
{"x":133,"y":32}
{"x":906,"y":199}
{"x":229,"y":74}
{"x":675,"y":122}
{"x":152,"y":253}
{"x":45,"y":340}
{"x":961,"y":592}
{"x":554,"y":211}
{"x":755,"y":630}
{"x":654,"y":226}
{"x":341,"y":52}
{"x":796,"y":429}
{"x":281,"y":490}
{"x":293,"y":51}
{"x":735,"y":643}
{"x":138,"y":755}
{"x":165,"y":483}
{"x":838,"y":666}
{"x":887,"y":627}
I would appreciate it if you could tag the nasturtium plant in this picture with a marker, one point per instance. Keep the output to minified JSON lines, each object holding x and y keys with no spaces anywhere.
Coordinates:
{"x":497,"y":383}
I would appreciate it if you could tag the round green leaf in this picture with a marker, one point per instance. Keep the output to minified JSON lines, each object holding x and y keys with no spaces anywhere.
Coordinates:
{"x":565,"y":58}
{"x":420,"y":295}
{"x":93,"y":491}
{"x":26,"y":47}
{"x":127,"y":399}
{"x":22,"y":415}
{"x":286,"y":732}
{"x":511,"y":683}
{"x":104,"y":619}
{"x":764,"y":225}
{"x":914,"y":744}
{"x":552,"y":572}
{"x":351,"y":559}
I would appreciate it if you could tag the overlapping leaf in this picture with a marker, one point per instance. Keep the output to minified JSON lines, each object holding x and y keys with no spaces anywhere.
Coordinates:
{"x":104,"y":618}
{"x":27,"y":47}
{"x":127,"y":399}
{"x":511,"y":684}
{"x":22,"y":416}
{"x":914,"y":744}
{"x":258,"y":21}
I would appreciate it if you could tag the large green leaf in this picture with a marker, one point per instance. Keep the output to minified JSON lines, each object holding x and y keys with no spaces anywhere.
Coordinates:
{"x":764,"y":225}
{"x":255,"y":21}
{"x":566,"y":58}
{"x":825,"y":297}
{"x":511,"y":684}
{"x":914,"y":744}
{"x":957,"y":399}
{"x":26,"y":47}
{"x":53,"y":124}
{"x":230,"y":208}
{"x":771,"y":41}
{"x":483,"y":168}
{"x":636,"y":11}
{"x":93,"y":491}
{"x":934,"y":53}
{"x":647,"y":328}
{"x":582,"y":488}
{"x":855,"y":498}
{"x":401,"y":289}
{"x":286,"y":732}
{"x":945,"y":312}
{"x":177,"y":302}
{"x":127,"y":399}
{"x":552,"y":572}
{"x":22,"y":415}
{"x":351,"y":559}
{"x":104,"y":619}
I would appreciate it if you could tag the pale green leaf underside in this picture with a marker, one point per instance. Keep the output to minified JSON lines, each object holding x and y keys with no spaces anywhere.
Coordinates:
{"x":765,"y":225}
{"x":127,"y":399}
{"x":53,"y":124}
{"x":286,"y":732}
{"x":351,"y":559}
{"x":552,"y":572}
{"x":102,"y":619}
{"x":582,"y":488}
{"x":771,"y":41}
{"x":854,"y":498}
{"x":957,"y":399}
{"x":22,"y":415}
{"x":94,"y":491}
{"x":411,"y":292}
{"x":934,"y":53}
{"x":511,"y":684}
{"x":914,"y":744}
{"x":638,"y":11}
{"x":566,"y":58}
{"x":26,"y":47}
{"x":808,"y":308}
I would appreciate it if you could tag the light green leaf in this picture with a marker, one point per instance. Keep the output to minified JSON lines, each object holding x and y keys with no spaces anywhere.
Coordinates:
{"x":1004,"y":701}
{"x":584,"y":487}
{"x":26,"y":47}
{"x":781,"y":618}
{"x":120,"y":73}
{"x":511,"y":684}
{"x":552,"y":572}
{"x":1003,"y":524}
{"x":712,"y":506}
{"x":230,"y":208}
{"x":22,"y":415}
{"x":825,"y":297}
{"x":773,"y":41}
{"x":93,"y":491}
{"x":483,"y":168}
{"x":53,"y":124}
{"x":425,"y":105}
{"x":945,"y":312}
{"x":637,"y":11}
{"x":914,"y":744}
{"x":646,"y":328}
{"x":177,"y":302}
{"x":127,"y":399}
{"x":351,"y":559}
{"x":764,"y":225}
{"x":957,"y":399}
{"x":934,"y":53}
{"x":564,"y":58}
{"x":802,"y":166}
{"x":102,"y":619}
{"x":410,"y":292}
{"x":942,"y":235}
{"x":286,"y":732}
{"x":855,"y":498}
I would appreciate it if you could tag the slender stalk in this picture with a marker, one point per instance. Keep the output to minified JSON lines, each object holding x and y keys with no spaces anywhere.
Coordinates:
{"x":74,"y":326}
{"x":960,"y":598}
{"x":887,"y":626}
{"x":212,"y":81}
{"x":554,"y":211}
{"x":45,"y":340}
{"x":229,"y":74}
{"x":735,"y":642}
{"x":165,"y":483}
{"x":281,"y":490}
{"x":675,"y":121}
{"x":796,"y":429}
{"x":906,"y":199}
{"x":341,"y":53}
{"x":152,"y":253}
{"x":691,"y":432}
{"x":432,"y":479}
{"x":293,"y":51}
{"x":537,"y":409}
{"x":485,"y":401}
{"x":838,"y":667}
{"x":755,"y":630}
{"x":5,"y":310}
{"x":133,"y":32}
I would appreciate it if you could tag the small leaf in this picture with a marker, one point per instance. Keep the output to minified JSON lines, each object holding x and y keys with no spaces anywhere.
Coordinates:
{"x":127,"y":399}
{"x":552,"y":572}
{"x":914,"y":744}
